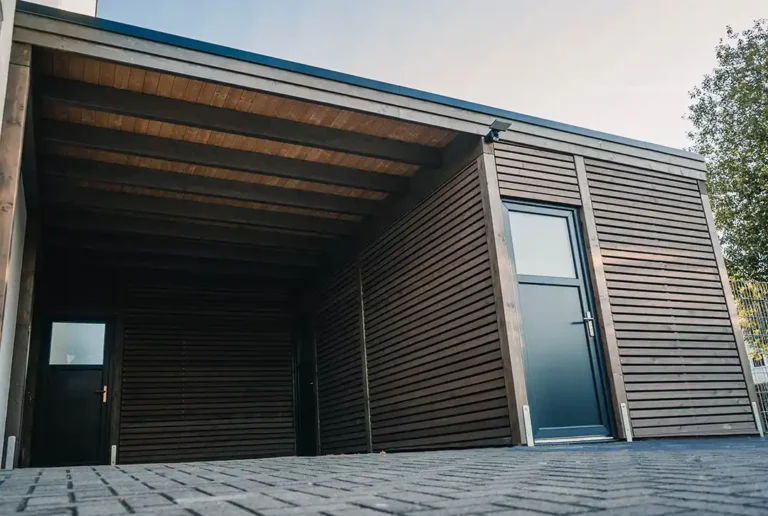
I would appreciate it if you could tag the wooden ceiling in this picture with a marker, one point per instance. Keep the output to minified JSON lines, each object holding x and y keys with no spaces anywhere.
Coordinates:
{"x":135,"y":162}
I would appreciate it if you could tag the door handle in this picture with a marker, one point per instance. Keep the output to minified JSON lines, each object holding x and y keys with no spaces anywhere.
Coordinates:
{"x":590,"y":324}
{"x":103,"y":393}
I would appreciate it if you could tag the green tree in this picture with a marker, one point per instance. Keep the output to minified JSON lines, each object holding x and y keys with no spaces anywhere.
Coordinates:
{"x":730,"y":118}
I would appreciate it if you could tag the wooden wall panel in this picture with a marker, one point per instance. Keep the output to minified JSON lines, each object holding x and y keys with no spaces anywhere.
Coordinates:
{"x":207,"y":372}
{"x":678,"y":352}
{"x":340,"y":387}
{"x":535,"y":174}
{"x":435,"y":370}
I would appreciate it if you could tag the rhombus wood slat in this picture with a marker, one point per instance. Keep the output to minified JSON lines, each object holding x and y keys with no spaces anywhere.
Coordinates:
{"x":678,"y":353}
{"x":207,"y":373}
{"x":340,"y":388}
{"x":535,"y":174}
{"x":434,"y":361}
{"x":434,"y":368}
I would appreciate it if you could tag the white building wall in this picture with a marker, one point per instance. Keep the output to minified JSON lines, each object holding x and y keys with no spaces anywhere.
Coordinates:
{"x":76,"y":6}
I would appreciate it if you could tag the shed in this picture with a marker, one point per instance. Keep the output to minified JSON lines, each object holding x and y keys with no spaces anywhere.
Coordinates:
{"x":218,"y":255}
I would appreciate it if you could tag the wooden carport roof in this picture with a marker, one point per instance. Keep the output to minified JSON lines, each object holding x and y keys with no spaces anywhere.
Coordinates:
{"x":185,"y":167}
{"x":166,"y":136}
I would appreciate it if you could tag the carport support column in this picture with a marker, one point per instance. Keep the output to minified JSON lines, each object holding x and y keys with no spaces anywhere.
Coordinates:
{"x":505,"y":289}
{"x":732,"y":311}
{"x":603,"y":305}
{"x":11,"y":139}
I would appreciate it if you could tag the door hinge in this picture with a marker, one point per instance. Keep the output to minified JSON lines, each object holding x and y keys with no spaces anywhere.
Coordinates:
{"x":590,"y":324}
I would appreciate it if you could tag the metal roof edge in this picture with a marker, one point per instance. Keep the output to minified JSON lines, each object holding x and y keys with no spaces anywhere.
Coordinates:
{"x":323,"y":73}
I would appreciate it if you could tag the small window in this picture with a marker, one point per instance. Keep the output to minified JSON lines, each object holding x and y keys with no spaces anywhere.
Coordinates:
{"x":542,"y":245}
{"x":77,"y":343}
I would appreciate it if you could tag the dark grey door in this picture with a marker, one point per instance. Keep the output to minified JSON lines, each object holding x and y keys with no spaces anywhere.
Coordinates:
{"x":563,"y":364}
{"x":70,"y":426}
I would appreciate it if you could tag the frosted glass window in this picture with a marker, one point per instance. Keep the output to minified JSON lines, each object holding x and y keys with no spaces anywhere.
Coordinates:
{"x":77,"y":343}
{"x":542,"y":245}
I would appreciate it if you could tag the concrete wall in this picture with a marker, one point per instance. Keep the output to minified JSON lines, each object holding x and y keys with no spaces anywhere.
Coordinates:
{"x":11,"y":305}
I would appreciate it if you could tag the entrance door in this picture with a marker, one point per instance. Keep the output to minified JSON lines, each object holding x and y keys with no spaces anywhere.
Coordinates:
{"x":71,"y":415}
{"x":563,"y":367}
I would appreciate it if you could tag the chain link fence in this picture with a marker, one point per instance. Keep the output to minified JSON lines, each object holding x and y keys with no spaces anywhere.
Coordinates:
{"x":752,"y":305}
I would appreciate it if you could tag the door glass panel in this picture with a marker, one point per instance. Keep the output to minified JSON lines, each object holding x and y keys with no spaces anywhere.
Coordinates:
{"x":77,"y":343}
{"x":542,"y":245}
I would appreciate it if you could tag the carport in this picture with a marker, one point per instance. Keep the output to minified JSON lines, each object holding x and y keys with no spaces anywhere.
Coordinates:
{"x":220,"y":255}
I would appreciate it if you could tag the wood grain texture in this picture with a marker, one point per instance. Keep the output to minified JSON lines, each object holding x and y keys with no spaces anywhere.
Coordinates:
{"x":505,"y":293}
{"x":535,"y":174}
{"x":207,"y":372}
{"x":669,"y":306}
{"x":11,"y":142}
{"x":605,"y":319}
{"x":341,"y":400}
{"x":436,"y":374}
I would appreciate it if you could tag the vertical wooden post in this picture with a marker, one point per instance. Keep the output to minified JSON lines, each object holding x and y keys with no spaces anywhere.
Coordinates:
{"x":364,"y":359}
{"x":11,"y":140}
{"x":603,"y":304}
{"x":505,"y":290}
{"x":730,"y":302}
{"x":18,"y":384}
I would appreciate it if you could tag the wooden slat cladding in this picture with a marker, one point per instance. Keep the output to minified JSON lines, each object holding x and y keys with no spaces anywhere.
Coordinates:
{"x":340,"y":388}
{"x":434,"y":363}
{"x":207,"y":373}
{"x":678,"y":353}
{"x":535,"y":174}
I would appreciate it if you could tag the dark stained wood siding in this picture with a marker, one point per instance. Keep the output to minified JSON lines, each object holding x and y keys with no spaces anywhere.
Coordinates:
{"x":678,"y":353}
{"x":207,"y":372}
{"x":435,"y":370}
{"x":535,"y":174}
{"x":341,"y":401}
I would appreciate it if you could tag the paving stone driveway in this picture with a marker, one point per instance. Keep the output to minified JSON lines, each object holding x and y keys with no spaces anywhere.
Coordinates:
{"x":713,"y":476}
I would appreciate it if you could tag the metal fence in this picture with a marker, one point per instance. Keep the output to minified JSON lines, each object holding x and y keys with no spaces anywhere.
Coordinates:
{"x":752,"y":305}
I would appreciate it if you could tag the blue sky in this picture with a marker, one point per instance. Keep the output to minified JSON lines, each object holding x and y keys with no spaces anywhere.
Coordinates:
{"x":623,"y":67}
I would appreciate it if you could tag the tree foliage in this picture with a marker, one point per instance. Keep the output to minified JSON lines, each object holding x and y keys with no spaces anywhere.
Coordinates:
{"x":729,"y":113}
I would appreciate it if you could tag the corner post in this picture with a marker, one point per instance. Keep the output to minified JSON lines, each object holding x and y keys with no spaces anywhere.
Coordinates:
{"x":603,"y":303}
{"x":730,"y":302}
{"x":11,"y":140}
{"x":364,"y":358}
{"x":505,"y":290}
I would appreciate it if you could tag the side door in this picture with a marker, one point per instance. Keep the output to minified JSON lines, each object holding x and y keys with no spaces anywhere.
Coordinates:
{"x":564,"y":369}
{"x":71,"y":415}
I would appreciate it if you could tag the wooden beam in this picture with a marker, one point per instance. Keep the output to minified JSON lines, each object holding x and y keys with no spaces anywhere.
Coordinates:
{"x":208,"y":155}
{"x":62,"y":193}
{"x":21,"y":347}
{"x":602,"y":302}
{"x":121,"y":223}
{"x":110,"y":243}
{"x":130,"y":103}
{"x":11,"y":143}
{"x":203,"y":185}
{"x":506,"y":295}
{"x":730,"y":302}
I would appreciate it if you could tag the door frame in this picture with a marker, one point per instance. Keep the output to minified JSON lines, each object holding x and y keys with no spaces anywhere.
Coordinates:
{"x":578,"y":244}
{"x":110,"y":341}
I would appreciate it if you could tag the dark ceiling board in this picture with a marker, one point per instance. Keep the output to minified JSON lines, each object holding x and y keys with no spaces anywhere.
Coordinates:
{"x":60,"y":192}
{"x":208,"y":155}
{"x":107,"y":243}
{"x":126,"y":102}
{"x":189,"y":183}
{"x":124,"y":223}
{"x":143,"y":261}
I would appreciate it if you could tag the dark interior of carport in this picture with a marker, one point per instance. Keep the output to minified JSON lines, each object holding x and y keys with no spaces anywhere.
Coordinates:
{"x":246,"y":246}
